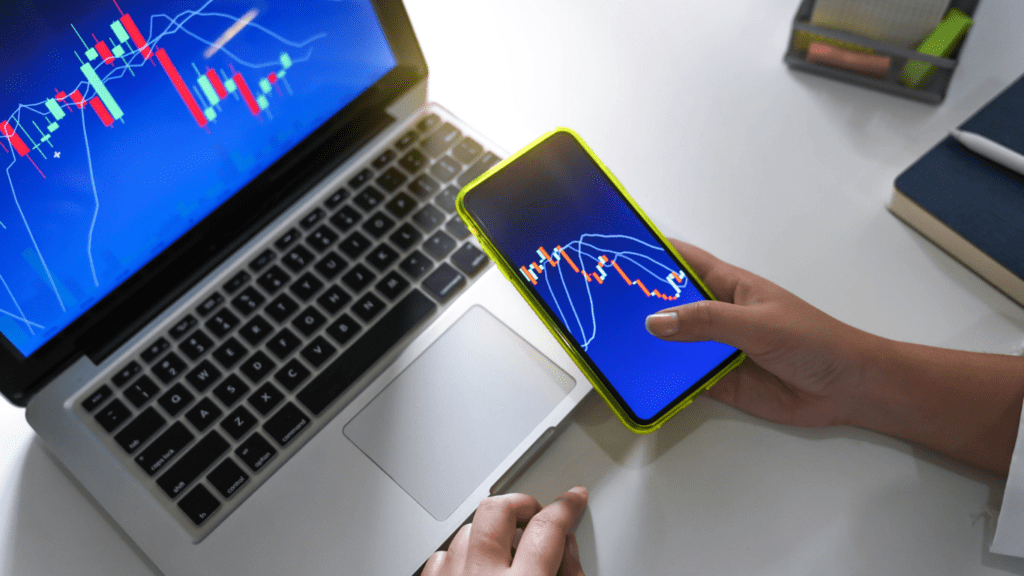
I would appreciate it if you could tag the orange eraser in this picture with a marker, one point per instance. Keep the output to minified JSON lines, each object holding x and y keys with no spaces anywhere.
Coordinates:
{"x":867,"y":64}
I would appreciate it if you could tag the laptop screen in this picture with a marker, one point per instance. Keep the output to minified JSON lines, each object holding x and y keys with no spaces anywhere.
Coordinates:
{"x":123,"y":123}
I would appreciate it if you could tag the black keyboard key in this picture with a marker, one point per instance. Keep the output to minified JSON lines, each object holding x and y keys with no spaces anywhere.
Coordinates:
{"x":227,"y":478}
{"x":238,"y":422}
{"x":368,"y":199}
{"x":127,"y":373}
{"x":310,"y":220}
{"x":175,"y":399}
{"x":169,"y":368}
{"x":257,"y":366}
{"x":392,"y":285}
{"x":154,"y":350}
{"x":196,"y":345}
{"x":210,"y":304}
{"x":482,"y":165}
{"x":330,"y":266}
{"x":439,"y":245}
{"x":287,"y":239}
{"x":292,"y":374}
{"x":362,"y":178}
{"x":384,"y":159}
{"x":333,"y":300}
{"x":406,"y":236}
{"x":382,"y":256}
{"x":203,"y":414}
{"x":255,"y":452}
{"x":139,"y":430}
{"x":413,"y":161}
{"x":282,"y":307}
{"x":416,"y":265}
{"x":284,"y":426}
{"x":309,"y":321}
{"x":199,"y":504}
{"x":222,"y":322}
{"x":141,"y":391}
{"x":428,"y":218}
{"x":96,"y":398}
{"x":193,"y":463}
{"x":164,"y":448}
{"x":445,"y":168}
{"x":343,"y":329}
{"x":358,"y":277}
{"x":203,"y":375}
{"x":345,"y":219}
{"x":456,"y":227}
{"x":256,"y":330}
{"x":378,"y":225}
{"x":406,"y":140}
{"x":348,"y":367}
{"x":113,"y":415}
{"x":355,"y":244}
{"x":467,"y":150}
{"x":230,"y":390}
{"x":446,"y":199}
{"x":298,"y":258}
{"x":318,"y":352}
{"x":260,"y":262}
{"x":273,"y":279}
{"x":441,"y":140}
{"x":391,"y":179}
{"x":368,"y":306}
{"x":283,"y":343}
{"x":247,"y":301}
{"x":428,"y":123}
{"x":321,"y":238}
{"x":237,"y":281}
{"x":183,"y":326}
{"x":424,"y":186}
{"x":229,"y":353}
{"x":469,"y":259}
{"x":401,"y":205}
{"x":444,"y":282}
{"x":306,"y":286}
{"x":334,"y":200}
{"x":265,"y":398}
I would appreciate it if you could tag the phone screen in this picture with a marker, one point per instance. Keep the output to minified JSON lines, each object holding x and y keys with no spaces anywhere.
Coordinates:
{"x":598,"y":269}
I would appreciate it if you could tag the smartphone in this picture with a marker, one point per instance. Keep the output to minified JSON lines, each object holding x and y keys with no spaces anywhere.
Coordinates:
{"x":592,"y":265}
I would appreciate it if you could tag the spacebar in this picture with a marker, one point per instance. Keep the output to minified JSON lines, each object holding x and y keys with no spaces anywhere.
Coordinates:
{"x":319,"y":393}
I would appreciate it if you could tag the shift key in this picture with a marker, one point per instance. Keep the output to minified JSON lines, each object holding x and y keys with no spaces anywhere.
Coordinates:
{"x":203,"y":455}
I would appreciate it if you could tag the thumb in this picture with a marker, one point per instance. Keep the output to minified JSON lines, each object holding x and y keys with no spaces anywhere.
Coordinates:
{"x":715,"y":320}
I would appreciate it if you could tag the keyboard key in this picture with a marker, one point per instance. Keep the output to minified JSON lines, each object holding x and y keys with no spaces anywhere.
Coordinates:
{"x":113,"y":415}
{"x":406,"y":140}
{"x":330,"y":266}
{"x":405,"y":237}
{"x":343,"y":329}
{"x":284,"y":426}
{"x":368,"y":306}
{"x":446,"y":199}
{"x":348,"y":367}
{"x":439,"y":245}
{"x":255,"y":452}
{"x":141,"y":391}
{"x":282,"y":307}
{"x":333,"y":300}
{"x":127,"y":373}
{"x":169,"y":368}
{"x":237,"y":281}
{"x":322,"y":238}
{"x":345,"y":219}
{"x":378,"y":225}
{"x":309,"y":321}
{"x":469,"y":259}
{"x":441,"y":139}
{"x":384,"y":159}
{"x":204,"y":414}
{"x":310,"y":220}
{"x":140,"y":429}
{"x":97,"y":397}
{"x":196,"y":345}
{"x":401,"y":205}
{"x":355,"y":245}
{"x":247,"y":301}
{"x":445,"y":168}
{"x":287,"y":239}
{"x":467,"y":150}
{"x":413,"y":161}
{"x":428,"y":218}
{"x":306,"y":286}
{"x":416,"y":265}
{"x":392,"y":285}
{"x":227,"y":478}
{"x":199,"y":504}
{"x":210,"y":304}
{"x":193,"y":463}
{"x":203,"y":375}
{"x":423,"y":186}
{"x":257,"y":366}
{"x":318,"y":352}
{"x":362,"y":178}
{"x":273,"y":279}
{"x":391,"y":179}
{"x":298,"y":258}
{"x":428,"y":123}
{"x":358,"y":277}
{"x":260,"y":262}
{"x":293,"y":374}
{"x":230,"y":390}
{"x":368,"y":199}
{"x":482,"y":165}
{"x":265,"y":398}
{"x":182,"y":327}
{"x":164,"y":448}
{"x":336,"y":199}
{"x":175,"y":399}
{"x":238,"y":422}
{"x":222,"y":322}
{"x":283,"y":343}
{"x":256,"y":330}
{"x":456,"y":227}
{"x":154,"y":350}
{"x":444,"y":282}
{"x":229,"y":353}
{"x":382,"y":256}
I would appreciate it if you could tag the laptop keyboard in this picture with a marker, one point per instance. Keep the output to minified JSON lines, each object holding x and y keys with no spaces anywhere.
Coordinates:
{"x":206,"y":405}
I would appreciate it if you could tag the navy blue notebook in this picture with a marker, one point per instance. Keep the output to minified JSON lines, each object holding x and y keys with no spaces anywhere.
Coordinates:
{"x":969,"y":206}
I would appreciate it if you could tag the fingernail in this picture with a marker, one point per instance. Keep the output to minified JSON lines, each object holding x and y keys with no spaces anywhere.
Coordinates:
{"x":580,"y":490}
{"x":663,"y":324}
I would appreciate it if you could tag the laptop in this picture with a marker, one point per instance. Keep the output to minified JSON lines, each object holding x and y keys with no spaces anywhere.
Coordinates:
{"x":236,"y":299}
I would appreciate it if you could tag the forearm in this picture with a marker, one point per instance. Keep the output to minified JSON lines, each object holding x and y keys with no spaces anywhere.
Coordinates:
{"x":964,"y":404}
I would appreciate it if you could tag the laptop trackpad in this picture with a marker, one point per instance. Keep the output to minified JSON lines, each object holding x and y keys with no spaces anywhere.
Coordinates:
{"x":449,"y":419}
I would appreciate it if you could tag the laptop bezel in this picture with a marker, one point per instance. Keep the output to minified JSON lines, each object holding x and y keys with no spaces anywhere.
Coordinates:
{"x":148,"y":292}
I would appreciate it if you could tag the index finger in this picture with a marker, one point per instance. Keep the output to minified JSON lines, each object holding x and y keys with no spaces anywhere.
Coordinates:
{"x":721,"y":278}
{"x":494,"y":528}
{"x":543,"y":541}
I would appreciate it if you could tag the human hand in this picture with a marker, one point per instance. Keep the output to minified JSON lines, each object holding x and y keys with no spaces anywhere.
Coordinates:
{"x":803,"y":366}
{"x":485,"y":547}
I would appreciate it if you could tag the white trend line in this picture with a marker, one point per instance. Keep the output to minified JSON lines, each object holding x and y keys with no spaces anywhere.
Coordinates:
{"x":33,"y":239}
{"x":28,"y":323}
{"x":96,"y":211}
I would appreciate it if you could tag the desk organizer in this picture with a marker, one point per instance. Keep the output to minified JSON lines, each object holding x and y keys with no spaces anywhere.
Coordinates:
{"x":933,"y":91}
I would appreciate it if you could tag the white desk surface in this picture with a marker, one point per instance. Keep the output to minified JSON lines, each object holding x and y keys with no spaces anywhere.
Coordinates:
{"x":780,"y":172}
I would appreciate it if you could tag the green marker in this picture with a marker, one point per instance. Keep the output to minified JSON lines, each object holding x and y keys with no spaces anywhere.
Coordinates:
{"x":54,"y":109}
{"x":262,"y":102}
{"x":286,"y":60}
{"x":91,"y":54}
{"x":265,"y":85}
{"x":119,"y":31}
{"x":941,"y":42}
{"x":101,"y":91}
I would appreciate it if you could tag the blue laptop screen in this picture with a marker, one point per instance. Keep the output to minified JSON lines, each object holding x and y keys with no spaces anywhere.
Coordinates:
{"x":124,"y":123}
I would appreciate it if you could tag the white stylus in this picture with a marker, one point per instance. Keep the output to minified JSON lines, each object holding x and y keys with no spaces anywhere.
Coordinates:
{"x":994,"y":151}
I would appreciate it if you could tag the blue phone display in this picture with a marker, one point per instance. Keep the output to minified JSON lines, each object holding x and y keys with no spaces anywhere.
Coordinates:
{"x":599,"y":270}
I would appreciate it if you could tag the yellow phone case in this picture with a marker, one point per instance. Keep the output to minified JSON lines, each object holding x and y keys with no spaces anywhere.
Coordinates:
{"x":508,"y":269}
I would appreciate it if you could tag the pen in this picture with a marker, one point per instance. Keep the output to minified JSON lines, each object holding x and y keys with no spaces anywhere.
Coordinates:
{"x":993,"y":151}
